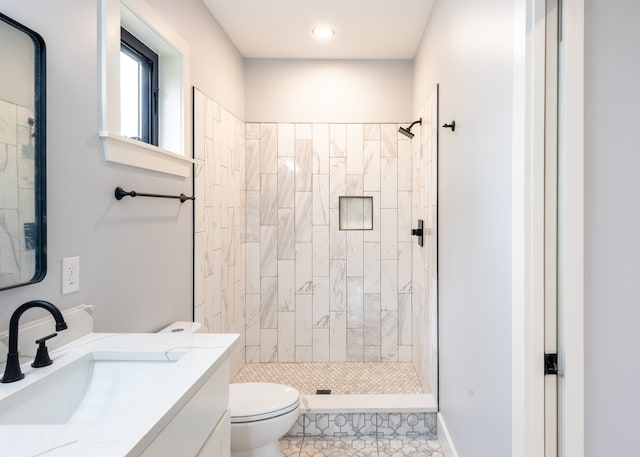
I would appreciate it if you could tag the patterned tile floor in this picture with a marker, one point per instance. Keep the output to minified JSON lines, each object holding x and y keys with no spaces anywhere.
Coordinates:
{"x":358,"y":447}
{"x":340,"y":377}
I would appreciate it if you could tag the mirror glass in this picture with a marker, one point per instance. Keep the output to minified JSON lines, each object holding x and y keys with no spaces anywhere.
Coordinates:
{"x":22,"y":155}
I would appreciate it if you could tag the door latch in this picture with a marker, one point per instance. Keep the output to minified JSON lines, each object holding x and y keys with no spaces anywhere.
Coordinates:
{"x":551,"y":364}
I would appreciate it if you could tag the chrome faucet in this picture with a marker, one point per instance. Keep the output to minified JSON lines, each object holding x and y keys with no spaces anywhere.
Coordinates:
{"x":12,"y":371}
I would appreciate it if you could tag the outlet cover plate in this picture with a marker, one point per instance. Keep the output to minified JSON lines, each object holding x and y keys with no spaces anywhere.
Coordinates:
{"x":70,"y":275}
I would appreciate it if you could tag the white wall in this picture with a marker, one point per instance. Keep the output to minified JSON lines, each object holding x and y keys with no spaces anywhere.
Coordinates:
{"x":135,"y":255}
{"x":467,"y":48}
{"x":331,"y":91}
{"x":612,"y":224}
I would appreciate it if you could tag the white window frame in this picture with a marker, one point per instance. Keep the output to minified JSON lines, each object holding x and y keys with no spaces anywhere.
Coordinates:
{"x":174,"y":139}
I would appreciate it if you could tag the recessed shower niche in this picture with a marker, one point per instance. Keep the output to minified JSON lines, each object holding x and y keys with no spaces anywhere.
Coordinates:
{"x":356,"y":213}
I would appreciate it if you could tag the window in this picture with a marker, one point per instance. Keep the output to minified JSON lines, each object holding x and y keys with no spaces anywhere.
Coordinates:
{"x":173,"y":107}
{"x":138,"y":90}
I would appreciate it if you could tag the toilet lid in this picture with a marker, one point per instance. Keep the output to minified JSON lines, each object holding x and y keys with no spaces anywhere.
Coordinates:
{"x":254,"y":401}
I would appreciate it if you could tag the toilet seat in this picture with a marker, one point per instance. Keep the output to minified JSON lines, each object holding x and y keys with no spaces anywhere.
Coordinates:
{"x":256,"y":401}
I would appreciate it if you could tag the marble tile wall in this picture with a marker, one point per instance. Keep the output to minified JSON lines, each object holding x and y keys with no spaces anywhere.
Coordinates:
{"x":316,"y":293}
{"x":219,"y":221}
{"x":424,"y":271}
{"x":17,"y":155}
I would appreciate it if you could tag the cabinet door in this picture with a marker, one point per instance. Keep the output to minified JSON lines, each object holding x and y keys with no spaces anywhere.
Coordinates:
{"x":218,"y":443}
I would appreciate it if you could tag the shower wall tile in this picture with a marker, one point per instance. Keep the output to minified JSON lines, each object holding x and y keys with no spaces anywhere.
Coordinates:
{"x":320,"y":250}
{"x":372,"y":320}
{"x":199,"y":184}
{"x":355,"y":144}
{"x":268,"y":148}
{"x":355,"y":302}
{"x":304,"y":131}
{"x":372,"y":353}
{"x":404,"y":165}
{"x":404,"y":216}
{"x":320,"y":302}
{"x":253,"y":268}
{"x":337,"y":180}
{"x":389,"y":184}
{"x":389,"y":347}
{"x":404,"y":268}
{"x":355,"y":185}
{"x":338,"y":336}
{"x":389,"y":140}
{"x":372,"y":165}
{"x":220,"y":216}
{"x":404,"y":319}
{"x":252,"y":305}
{"x":286,"y":286}
{"x":338,"y":285}
{"x":269,"y":199}
{"x":286,"y":140}
{"x":320,"y":149}
{"x":314,"y":292}
{"x":253,"y":164}
{"x":252,"y":354}
{"x":304,"y":354}
{"x":286,"y":177}
{"x":371,"y":268}
{"x":371,"y":131}
{"x":253,"y":216}
{"x":252,"y":130}
{"x":338,"y":140}
{"x":268,"y":345}
{"x":337,"y":237}
{"x":389,"y":226}
{"x":304,"y":320}
{"x":304,"y":163}
{"x":389,"y":284}
{"x":405,"y":353}
{"x":355,"y":344}
{"x":268,"y":303}
{"x":304,"y":217}
{"x":304,"y":268}
{"x":321,"y":352}
{"x":286,"y":337}
{"x":286,"y":233}
{"x":269,"y":250}
{"x":374,"y":234}
{"x":355,"y":253}
{"x":320,"y":199}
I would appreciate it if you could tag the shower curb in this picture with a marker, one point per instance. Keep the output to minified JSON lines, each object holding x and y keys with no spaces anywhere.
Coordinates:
{"x":366,"y":425}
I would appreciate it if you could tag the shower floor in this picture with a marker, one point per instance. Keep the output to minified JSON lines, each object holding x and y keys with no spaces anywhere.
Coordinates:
{"x":349,"y":378}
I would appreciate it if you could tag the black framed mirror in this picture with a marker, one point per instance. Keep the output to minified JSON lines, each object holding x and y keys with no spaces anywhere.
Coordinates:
{"x":23,"y":246}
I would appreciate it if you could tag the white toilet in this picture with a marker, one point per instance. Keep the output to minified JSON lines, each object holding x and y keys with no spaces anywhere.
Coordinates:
{"x":261,"y":413}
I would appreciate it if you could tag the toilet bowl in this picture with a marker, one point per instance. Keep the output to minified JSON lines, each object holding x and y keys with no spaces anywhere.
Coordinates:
{"x":261,"y":413}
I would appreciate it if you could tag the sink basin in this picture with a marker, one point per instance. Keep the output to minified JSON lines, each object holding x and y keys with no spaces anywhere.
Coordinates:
{"x":109,"y":394}
{"x":97,"y":388}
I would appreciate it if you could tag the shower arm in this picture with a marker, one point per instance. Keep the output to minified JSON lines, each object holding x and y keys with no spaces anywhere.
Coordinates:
{"x":419,"y":121}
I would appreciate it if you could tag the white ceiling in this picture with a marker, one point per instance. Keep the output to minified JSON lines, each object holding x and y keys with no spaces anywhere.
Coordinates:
{"x":365,"y":29}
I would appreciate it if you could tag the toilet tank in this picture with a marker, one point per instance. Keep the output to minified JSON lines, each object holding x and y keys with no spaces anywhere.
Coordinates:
{"x":182,"y":327}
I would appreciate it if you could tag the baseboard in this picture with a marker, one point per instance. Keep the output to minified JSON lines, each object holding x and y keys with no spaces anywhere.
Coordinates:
{"x":445,"y":439}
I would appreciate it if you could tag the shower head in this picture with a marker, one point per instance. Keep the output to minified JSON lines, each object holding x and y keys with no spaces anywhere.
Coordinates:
{"x":407,"y":132}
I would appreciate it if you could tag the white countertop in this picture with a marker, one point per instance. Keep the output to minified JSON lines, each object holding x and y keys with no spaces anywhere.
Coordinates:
{"x":201,"y":355}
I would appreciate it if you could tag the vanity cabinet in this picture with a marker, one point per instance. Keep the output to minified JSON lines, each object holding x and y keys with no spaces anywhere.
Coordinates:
{"x":202,"y":427}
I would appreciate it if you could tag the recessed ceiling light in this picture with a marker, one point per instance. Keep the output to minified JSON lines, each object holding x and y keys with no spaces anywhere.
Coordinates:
{"x":323,"y":32}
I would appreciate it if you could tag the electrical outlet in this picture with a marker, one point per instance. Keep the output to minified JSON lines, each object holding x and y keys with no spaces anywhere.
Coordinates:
{"x":70,"y":275}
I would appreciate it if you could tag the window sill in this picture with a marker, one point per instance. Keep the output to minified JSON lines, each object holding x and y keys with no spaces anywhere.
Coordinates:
{"x":125,"y":151}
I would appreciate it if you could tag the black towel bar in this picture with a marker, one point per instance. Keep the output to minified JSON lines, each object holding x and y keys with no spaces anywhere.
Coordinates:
{"x":120,"y":193}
